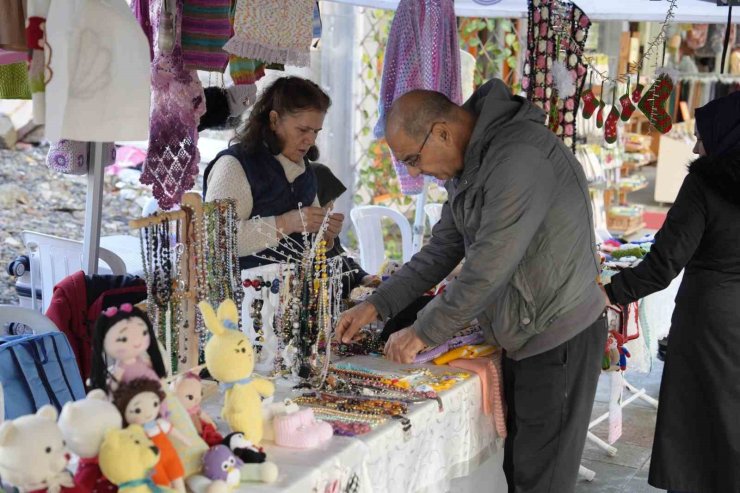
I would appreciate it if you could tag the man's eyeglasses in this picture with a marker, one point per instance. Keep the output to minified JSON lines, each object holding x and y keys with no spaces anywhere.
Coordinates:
{"x":413,"y":160}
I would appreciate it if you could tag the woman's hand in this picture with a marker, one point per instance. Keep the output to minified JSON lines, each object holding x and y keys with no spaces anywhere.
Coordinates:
{"x":335,"y":226}
{"x":291,"y":222}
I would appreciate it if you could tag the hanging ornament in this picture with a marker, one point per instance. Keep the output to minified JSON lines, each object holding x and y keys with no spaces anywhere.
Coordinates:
{"x":610,"y":127}
{"x":653,"y":103}
{"x":600,"y":112}
{"x":590,"y":102}
{"x":627,"y":107}
{"x":637,"y":93}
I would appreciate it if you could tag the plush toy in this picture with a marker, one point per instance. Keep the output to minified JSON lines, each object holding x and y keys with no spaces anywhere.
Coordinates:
{"x":244,"y":449}
{"x":189,"y":390}
{"x":124,"y":348}
{"x":84,"y":424}
{"x":223,"y":471}
{"x":32,"y":453}
{"x":230,"y":360}
{"x":139,"y":402}
{"x":127,"y":458}
{"x":621,"y":349}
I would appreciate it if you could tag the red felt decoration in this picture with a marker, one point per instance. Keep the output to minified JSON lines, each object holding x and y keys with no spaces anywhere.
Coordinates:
{"x":600,"y":115}
{"x":653,"y":103}
{"x":610,"y":127}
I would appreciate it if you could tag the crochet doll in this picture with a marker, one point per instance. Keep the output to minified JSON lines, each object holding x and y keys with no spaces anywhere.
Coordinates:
{"x":139,"y":402}
{"x":124,"y":348}
{"x":189,"y":390}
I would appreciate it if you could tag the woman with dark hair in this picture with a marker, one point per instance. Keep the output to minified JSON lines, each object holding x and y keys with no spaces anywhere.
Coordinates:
{"x":697,"y":436}
{"x":265,"y":171}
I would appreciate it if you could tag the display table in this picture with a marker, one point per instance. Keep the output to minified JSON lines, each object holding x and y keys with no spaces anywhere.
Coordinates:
{"x":439,"y":447}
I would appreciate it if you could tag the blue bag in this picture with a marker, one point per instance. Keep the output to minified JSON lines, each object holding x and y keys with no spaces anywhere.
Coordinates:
{"x":36,"y":370}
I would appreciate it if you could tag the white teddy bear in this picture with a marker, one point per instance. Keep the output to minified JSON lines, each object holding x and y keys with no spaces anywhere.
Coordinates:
{"x":32,"y":453}
{"x":84,"y":424}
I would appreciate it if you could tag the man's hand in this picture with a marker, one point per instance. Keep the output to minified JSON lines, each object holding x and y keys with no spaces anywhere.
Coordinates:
{"x":353,"y":320}
{"x":403,"y":346}
{"x":370,"y":281}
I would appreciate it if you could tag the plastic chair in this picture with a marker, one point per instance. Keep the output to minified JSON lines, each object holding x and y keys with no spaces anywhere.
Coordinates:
{"x":434,"y":213}
{"x":38,"y":322}
{"x":367,"y":221}
{"x":59,"y":257}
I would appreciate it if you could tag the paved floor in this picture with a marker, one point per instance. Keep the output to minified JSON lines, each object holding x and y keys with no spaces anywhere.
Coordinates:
{"x":626,"y":472}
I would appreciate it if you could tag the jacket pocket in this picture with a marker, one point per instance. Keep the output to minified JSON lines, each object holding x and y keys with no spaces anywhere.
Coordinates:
{"x":523,"y":310}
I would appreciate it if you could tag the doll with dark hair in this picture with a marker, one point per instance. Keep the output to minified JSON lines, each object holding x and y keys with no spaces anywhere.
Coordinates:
{"x":124,"y":348}
{"x":140,"y":403}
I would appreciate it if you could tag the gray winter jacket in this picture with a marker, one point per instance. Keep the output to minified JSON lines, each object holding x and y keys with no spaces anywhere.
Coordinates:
{"x":521,"y":217}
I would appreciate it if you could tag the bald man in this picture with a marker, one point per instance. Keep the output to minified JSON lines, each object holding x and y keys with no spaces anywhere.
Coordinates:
{"x":519,"y":213}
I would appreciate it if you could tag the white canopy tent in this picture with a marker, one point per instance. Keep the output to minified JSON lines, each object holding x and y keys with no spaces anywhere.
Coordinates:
{"x":699,"y":11}
{"x":339,"y":77}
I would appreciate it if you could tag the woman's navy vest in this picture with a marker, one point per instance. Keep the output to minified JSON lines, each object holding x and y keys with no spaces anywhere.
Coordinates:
{"x":272,"y":194}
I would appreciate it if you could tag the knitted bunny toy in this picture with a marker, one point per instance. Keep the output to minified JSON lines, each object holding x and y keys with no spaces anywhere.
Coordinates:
{"x":230,"y":360}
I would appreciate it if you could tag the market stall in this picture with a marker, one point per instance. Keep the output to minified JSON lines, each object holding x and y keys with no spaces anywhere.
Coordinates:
{"x":396,"y":428}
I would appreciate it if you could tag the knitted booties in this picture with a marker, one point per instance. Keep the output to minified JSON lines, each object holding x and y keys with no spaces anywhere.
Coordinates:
{"x":298,"y":430}
{"x":308,"y":420}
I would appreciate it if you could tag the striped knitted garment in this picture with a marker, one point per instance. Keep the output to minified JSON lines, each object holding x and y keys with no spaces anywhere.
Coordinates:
{"x":206,"y":27}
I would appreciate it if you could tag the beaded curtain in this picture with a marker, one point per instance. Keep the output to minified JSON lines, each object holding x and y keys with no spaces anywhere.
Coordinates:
{"x":178,"y":102}
{"x":422,"y":53}
{"x":542,"y":51}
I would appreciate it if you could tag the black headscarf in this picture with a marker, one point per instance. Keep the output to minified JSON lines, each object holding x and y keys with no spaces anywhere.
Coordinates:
{"x":718,"y":124}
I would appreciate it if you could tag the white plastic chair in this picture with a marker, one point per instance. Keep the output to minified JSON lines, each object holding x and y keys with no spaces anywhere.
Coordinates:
{"x":367,"y":221}
{"x":38,"y":322}
{"x":434,"y":213}
{"x":59,"y":257}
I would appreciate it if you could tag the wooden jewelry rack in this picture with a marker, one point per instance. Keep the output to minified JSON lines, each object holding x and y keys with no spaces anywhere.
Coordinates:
{"x":188,"y":217}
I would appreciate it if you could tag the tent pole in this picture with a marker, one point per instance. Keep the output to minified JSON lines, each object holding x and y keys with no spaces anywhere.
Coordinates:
{"x":419,"y":216}
{"x":93,"y":207}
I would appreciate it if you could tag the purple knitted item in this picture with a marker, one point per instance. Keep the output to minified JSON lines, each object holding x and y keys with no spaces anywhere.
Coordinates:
{"x":422,"y":53}
{"x":178,"y":102}
{"x":454,"y":343}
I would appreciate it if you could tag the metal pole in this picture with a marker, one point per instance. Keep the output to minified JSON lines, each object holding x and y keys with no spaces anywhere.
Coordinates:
{"x":419,"y":216}
{"x":93,"y":208}
{"x":337,"y":47}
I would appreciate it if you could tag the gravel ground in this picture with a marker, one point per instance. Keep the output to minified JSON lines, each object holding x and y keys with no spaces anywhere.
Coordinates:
{"x":33,"y":197}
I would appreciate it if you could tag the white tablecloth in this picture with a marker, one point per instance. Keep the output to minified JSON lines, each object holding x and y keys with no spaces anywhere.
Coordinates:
{"x":440,"y":447}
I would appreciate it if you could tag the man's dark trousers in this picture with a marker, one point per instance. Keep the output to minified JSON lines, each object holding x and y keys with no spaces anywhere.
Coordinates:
{"x":549,"y":398}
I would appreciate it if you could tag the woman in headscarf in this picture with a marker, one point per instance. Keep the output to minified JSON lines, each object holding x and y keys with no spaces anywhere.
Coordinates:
{"x":697,"y":436}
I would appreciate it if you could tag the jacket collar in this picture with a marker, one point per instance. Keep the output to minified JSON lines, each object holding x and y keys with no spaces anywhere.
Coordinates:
{"x":721,"y":173}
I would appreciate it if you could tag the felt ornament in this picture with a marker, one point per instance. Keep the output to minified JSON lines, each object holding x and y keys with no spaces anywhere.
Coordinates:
{"x":590,"y":101}
{"x":84,"y":424}
{"x":628,"y":108}
{"x":139,"y":402}
{"x":600,"y":114}
{"x":126,"y":458}
{"x":637,"y":93}
{"x":610,"y":126}
{"x":230,"y":360}
{"x":653,"y":103}
{"x":32,"y":453}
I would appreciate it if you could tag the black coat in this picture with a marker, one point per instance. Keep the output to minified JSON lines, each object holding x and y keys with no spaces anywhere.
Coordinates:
{"x":697,"y":437}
